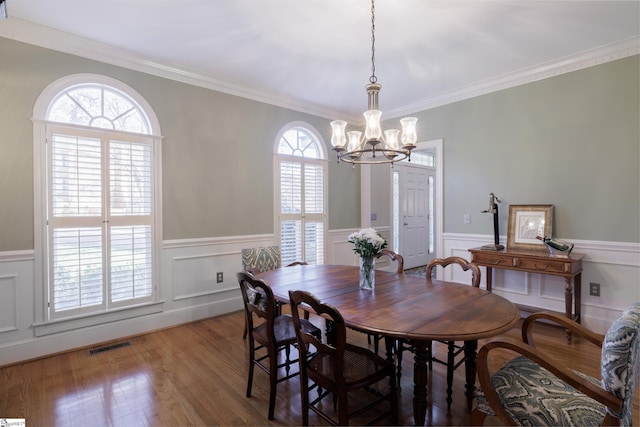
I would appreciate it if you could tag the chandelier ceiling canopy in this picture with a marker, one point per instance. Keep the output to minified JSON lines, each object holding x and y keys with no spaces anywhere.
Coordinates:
{"x":375,"y":146}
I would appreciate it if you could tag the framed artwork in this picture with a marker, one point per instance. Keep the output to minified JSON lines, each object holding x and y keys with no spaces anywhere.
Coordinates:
{"x":526,"y":222}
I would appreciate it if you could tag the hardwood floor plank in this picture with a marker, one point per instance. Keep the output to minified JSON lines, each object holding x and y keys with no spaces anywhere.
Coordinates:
{"x":195,"y":375}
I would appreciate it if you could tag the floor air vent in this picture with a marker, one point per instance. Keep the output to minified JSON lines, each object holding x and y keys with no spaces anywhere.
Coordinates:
{"x":109,"y":347}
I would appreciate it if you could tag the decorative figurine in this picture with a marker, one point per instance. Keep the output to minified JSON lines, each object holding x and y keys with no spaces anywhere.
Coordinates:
{"x":493,"y":209}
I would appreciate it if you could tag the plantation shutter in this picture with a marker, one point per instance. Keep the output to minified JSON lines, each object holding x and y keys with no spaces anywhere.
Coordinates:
{"x":301,"y":212}
{"x":314,"y":212}
{"x":130,"y":243}
{"x":99,"y":220}
{"x":290,"y":209}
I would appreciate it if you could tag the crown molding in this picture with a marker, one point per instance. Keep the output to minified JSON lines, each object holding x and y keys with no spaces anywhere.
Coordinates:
{"x":581,"y":60}
{"x":27,"y":32}
{"x":38,"y":35}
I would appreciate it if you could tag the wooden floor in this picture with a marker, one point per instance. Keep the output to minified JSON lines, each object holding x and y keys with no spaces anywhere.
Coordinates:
{"x":195,"y":375}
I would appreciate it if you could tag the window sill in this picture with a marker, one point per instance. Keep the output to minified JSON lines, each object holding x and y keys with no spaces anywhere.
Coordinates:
{"x":63,"y":325}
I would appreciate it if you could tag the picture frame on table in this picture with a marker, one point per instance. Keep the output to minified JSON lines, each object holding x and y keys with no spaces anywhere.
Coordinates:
{"x":526,"y":222}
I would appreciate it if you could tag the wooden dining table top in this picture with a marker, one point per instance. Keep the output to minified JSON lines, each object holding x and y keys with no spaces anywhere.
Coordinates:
{"x":401,"y":306}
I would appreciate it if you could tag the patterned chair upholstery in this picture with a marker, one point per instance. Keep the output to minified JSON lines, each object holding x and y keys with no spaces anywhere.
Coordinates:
{"x":533,"y":390}
{"x":256,"y":260}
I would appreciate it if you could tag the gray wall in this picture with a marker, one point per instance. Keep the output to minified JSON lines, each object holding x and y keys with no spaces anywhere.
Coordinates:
{"x":571,"y":141}
{"x":217,"y":151}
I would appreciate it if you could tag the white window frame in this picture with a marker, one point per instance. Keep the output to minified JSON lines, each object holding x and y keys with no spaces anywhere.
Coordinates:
{"x":322,"y":161}
{"x":44,"y":323}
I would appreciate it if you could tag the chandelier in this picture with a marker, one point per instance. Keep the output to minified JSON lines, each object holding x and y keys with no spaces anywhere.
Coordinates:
{"x":374,"y":146}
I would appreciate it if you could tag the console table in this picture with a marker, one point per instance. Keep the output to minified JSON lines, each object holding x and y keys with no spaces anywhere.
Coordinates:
{"x":537,"y":262}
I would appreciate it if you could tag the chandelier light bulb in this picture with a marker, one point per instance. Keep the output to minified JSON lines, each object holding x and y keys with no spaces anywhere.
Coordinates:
{"x":409,"y":136}
{"x":391,"y":139}
{"x":354,"y":146}
{"x":373,"y":131}
{"x":338,"y":138}
{"x":354,"y":140}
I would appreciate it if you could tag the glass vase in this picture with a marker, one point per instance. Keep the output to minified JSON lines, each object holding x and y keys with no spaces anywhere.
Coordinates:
{"x":367,"y":273}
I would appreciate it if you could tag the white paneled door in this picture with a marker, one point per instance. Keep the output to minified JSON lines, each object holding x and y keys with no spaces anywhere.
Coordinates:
{"x":415,"y":219}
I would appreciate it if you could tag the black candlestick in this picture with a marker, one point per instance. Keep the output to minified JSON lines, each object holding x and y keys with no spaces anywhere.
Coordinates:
{"x":493,"y":209}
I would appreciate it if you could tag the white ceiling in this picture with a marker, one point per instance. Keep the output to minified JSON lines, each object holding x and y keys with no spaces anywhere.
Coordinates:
{"x":315,"y":55}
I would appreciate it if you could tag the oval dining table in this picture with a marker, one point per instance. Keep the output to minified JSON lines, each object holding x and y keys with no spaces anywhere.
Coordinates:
{"x":408,"y":307}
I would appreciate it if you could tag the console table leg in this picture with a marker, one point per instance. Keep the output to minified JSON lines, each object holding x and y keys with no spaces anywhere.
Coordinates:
{"x":568,"y":302}
{"x":577,"y":297}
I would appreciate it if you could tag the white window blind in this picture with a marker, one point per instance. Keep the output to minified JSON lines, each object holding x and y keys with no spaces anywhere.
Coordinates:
{"x":100,"y":221}
{"x":77,"y":268}
{"x":290,"y":187}
{"x":302,"y":219}
{"x":131,"y":254}
{"x":76,"y":176}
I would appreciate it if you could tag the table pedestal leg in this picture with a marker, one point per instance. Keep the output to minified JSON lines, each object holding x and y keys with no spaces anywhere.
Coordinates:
{"x":420,"y":378}
{"x":470,"y":353}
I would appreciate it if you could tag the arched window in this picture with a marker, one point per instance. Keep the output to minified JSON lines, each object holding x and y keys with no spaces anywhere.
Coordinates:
{"x":301,"y":220}
{"x":98,"y":156}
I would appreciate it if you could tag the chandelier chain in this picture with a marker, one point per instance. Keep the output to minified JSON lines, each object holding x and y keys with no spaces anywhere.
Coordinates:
{"x":373,"y":78}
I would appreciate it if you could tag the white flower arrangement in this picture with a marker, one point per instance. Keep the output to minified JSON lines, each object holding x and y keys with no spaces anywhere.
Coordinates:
{"x":367,"y":242}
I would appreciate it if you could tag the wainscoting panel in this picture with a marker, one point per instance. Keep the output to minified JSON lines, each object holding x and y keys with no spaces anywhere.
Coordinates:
{"x":8,"y":303}
{"x":509,"y":282}
{"x":339,"y":250}
{"x":196,"y":275}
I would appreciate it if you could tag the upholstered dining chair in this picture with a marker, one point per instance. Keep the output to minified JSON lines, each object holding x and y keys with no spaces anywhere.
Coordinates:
{"x":338,"y":369}
{"x":453,"y":349}
{"x":533,"y":389}
{"x":256,"y":260}
{"x":269,"y":334}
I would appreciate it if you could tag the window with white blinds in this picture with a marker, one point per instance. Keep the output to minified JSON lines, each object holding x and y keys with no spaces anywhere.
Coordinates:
{"x":301,"y":204}
{"x":100,"y":203}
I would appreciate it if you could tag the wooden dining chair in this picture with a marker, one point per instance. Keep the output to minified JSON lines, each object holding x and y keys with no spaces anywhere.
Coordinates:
{"x":257,"y":260}
{"x":534,"y":389}
{"x":399,"y":260}
{"x":453,"y":349}
{"x":394,"y":257}
{"x":269,"y":334}
{"x":338,"y":369}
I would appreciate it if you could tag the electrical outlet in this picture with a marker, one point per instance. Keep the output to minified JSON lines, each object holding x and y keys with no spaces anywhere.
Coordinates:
{"x":219,"y":277}
{"x":594,"y":289}
{"x":467,"y":218}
